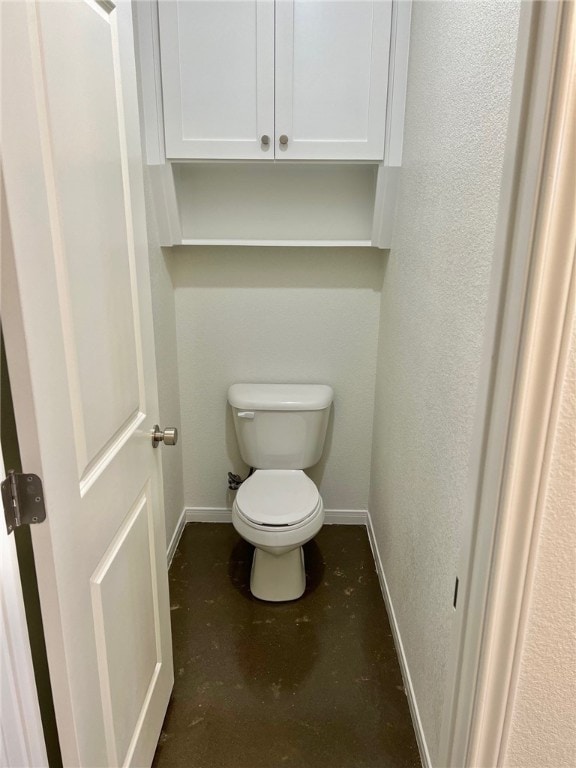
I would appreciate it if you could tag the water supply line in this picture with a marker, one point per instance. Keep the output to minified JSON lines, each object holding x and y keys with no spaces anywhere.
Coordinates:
{"x":235,"y":481}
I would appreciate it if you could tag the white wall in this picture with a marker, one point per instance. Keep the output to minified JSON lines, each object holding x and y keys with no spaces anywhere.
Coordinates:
{"x":274,"y":315}
{"x":164,"y":331}
{"x":167,"y":366}
{"x":432,"y":320}
{"x":542,"y":731}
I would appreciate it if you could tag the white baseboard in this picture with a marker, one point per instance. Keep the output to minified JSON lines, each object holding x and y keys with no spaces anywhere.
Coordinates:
{"x":345,"y":516}
{"x":208,"y":515}
{"x":412,"y":703}
{"x":175,"y":540}
{"x":222,"y":515}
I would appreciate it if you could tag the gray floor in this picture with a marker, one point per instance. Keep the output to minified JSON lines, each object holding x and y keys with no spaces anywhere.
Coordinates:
{"x":306,"y":684}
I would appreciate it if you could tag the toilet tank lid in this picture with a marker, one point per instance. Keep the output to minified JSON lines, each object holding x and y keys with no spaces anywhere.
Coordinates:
{"x":280,"y":397}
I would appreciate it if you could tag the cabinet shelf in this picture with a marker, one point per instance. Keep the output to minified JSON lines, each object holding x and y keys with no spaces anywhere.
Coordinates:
{"x":285,"y":243}
{"x":263,"y":203}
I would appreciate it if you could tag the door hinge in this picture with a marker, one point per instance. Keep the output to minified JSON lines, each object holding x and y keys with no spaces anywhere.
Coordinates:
{"x":23,"y":498}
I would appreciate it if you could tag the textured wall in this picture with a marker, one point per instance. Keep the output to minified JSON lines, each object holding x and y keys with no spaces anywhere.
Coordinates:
{"x":167,"y":366}
{"x":432,"y":320}
{"x":276,"y":314}
{"x":543,"y":729}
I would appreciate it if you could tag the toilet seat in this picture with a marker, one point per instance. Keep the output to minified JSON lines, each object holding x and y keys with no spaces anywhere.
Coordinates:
{"x":278,"y":498}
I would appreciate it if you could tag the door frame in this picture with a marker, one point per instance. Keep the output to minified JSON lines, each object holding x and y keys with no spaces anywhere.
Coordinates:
{"x":21,"y":730}
{"x":527,"y":334}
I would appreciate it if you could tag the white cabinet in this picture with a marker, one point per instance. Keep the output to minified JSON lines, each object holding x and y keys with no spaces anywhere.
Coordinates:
{"x":275,"y":79}
{"x":323,"y":82}
{"x":217,"y":61}
{"x":331,"y":78}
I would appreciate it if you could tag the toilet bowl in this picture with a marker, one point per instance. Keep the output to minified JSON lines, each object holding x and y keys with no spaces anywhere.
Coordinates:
{"x":278,"y":511}
{"x":281,"y":430}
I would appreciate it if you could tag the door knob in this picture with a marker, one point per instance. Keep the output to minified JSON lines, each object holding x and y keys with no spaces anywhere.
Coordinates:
{"x":265,"y":140}
{"x":167,"y":436}
{"x":283,"y":139}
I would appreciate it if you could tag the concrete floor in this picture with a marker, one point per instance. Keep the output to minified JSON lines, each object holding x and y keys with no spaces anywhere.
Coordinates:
{"x":310,"y":684}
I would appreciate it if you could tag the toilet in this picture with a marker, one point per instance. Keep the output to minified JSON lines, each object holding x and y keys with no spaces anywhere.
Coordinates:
{"x":281,"y":430}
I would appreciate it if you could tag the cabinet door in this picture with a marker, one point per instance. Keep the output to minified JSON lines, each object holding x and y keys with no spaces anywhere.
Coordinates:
{"x":217,"y":59}
{"x":331,"y":78}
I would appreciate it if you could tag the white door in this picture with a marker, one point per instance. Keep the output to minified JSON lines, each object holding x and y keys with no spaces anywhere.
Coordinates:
{"x":78,"y":329}
{"x":331,"y":79}
{"x":217,"y":61}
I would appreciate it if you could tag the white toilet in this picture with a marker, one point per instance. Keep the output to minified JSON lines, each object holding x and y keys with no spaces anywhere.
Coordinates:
{"x":281,"y":430}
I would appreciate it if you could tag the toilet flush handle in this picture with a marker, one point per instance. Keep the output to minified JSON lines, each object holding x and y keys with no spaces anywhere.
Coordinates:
{"x":245,"y":414}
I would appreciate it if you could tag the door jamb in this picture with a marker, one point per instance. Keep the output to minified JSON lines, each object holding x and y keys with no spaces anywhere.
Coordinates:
{"x":21,"y":727}
{"x":20,"y":721}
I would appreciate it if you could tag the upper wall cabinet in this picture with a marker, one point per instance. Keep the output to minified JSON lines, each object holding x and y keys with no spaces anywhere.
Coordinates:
{"x":273,"y":122}
{"x":275,"y":79}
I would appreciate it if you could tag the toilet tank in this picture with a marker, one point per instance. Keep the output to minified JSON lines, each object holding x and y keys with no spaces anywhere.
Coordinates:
{"x":280,"y":426}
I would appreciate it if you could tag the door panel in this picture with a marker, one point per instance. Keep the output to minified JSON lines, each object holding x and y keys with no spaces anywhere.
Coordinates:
{"x":125,"y":605}
{"x":79,"y":340}
{"x":217,"y":77}
{"x":96,"y":289}
{"x":332,"y":78}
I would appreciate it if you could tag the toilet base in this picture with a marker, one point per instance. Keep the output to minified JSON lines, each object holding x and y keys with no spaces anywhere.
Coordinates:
{"x":278,"y":578}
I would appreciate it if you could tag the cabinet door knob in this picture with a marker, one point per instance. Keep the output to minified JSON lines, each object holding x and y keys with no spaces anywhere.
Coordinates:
{"x":283,"y":139}
{"x":265,"y":140}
